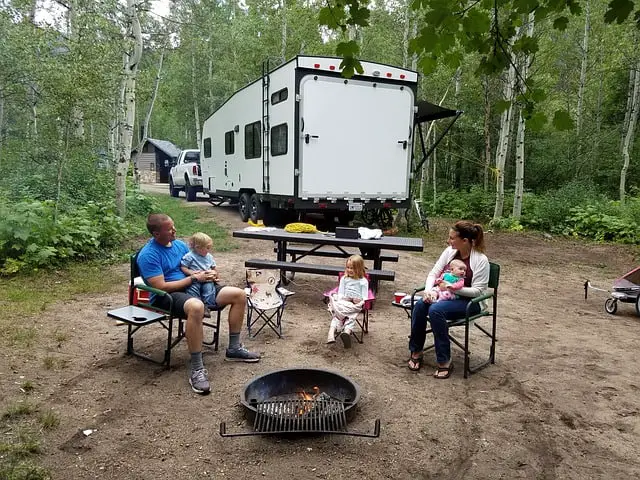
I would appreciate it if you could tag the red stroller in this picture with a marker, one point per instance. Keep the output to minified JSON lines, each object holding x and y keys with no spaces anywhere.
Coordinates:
{"x":626,"y":289}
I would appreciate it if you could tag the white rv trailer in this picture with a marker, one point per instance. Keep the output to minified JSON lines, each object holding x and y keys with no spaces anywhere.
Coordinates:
{"x":302,"y":138}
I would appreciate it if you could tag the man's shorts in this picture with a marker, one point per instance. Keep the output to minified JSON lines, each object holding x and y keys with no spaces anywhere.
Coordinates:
{"x":179,"y":299}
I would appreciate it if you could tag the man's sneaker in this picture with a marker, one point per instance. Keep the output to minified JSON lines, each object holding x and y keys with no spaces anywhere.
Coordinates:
{"x":241,"y":354}
{"x":199,"y":382}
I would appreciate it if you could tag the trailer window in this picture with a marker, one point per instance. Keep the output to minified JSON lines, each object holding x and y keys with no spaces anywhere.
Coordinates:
{"x":279,"y":140}
{"x":229,"y":145}
{"x":252,"y":144}
{"x":279,"y":96}
{"x":207,"y":147}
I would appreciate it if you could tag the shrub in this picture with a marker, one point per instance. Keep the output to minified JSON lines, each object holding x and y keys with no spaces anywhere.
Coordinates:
{"x":593,"y":222}
{"x":34,"y":235}
{"x":549,"y":211}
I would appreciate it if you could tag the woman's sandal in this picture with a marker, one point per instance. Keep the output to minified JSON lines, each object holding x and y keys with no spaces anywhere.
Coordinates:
{"x":447,"y":371}
{"x":415,"y":363}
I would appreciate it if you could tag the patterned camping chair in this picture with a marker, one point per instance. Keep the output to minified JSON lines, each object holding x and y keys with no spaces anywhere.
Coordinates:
{"x":265,"y":300}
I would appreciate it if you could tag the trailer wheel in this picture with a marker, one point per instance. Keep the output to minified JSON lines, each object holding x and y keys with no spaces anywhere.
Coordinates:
{"x":243,"y":206}
{"x":173,"y":191}
{"x":611,"y":306}
{"x":256,"y":210}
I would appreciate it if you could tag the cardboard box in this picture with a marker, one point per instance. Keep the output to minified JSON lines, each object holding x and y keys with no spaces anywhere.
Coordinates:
{"x":346,"y":232}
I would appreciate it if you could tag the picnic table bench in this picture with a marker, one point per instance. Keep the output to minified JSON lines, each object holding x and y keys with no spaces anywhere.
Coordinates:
{"x":298,"y":252}
{"x":314,"y":268}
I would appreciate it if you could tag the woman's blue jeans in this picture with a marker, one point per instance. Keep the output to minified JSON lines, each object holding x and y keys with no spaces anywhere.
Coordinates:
{"x":438,"y":314}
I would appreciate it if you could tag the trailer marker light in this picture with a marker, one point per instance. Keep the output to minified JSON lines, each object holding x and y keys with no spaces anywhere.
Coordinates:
{"x":386,"y":205}
{"x":332,"y":67}
{"x":322,"y":205}
{"x":389,"y":74}
{"x":316,"y":65}
{"x":402,"y":76}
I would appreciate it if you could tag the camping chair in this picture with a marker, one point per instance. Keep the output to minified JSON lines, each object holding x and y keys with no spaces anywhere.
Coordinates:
{"x":362,"y":321}
{"x":468,"y":320}
{"x":140,"y":313}
{"x":266,"y":299}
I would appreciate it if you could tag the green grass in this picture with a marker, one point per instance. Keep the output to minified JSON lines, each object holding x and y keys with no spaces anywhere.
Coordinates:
{"x":20,"y":442}
{"x":17,"y":410}
{"x":49,"y":419}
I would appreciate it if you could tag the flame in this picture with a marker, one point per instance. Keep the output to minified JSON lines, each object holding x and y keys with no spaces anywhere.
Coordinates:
{"x":307,"y":396}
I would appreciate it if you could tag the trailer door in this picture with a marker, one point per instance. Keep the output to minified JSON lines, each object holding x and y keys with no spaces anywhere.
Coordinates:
{"x":355,"y":139}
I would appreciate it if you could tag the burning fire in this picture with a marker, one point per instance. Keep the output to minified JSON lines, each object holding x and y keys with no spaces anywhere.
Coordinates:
{"x":306,"y":406}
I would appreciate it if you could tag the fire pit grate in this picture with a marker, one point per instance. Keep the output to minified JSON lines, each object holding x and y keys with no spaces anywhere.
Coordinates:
{"x":300,"y":416}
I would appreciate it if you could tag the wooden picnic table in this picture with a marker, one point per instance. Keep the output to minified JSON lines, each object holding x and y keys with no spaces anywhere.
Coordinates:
{"x":370,"y":249}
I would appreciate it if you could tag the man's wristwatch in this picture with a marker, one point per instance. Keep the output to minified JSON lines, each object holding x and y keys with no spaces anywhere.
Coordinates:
{"x":193,"y":278}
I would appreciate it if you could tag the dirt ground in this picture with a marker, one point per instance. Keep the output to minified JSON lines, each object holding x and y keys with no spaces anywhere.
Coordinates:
{"x":560,"y":402}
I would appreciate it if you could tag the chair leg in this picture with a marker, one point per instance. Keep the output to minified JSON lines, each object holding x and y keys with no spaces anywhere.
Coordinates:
{"x":215,"y":341}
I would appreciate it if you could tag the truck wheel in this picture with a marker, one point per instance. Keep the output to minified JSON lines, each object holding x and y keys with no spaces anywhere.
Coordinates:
{"x":190,"y":192}
{"x":243,"y":206}
{"x":256,"y":211}
{"x":173,"y":191}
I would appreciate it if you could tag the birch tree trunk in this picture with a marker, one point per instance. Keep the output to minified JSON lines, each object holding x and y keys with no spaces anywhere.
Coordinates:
{"x":516,"y":212}
{"x":503,"y":141}
{"x":1,"y":125}
{"x":156,"y":86}
{"x":211,"y":83}
{"x":627,"y":112}
{"x":487,"y":133}
{"x":132,"y":57}
{"x":583,"y":74}
{"x":626,"y":145}
{"x":283,"y":48}
{"x":194,"y":92}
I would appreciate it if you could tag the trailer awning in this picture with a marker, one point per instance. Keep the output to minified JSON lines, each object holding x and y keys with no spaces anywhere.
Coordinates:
{"x":428,"y":111}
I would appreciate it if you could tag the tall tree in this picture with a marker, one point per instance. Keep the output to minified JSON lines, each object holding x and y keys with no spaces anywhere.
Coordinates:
{"x":131,"y":61}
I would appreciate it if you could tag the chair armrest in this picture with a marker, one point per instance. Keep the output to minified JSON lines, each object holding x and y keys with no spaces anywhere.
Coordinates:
{"x":247,"y":291}
{"x":413,"y":295}
{"x":475,"y":300}
{"x":284,"y":292}
{"x":147,"y":288}
{"x":480,"y":298}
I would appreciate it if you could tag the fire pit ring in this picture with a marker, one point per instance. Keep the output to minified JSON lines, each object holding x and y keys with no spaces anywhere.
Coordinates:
{"x":300,"y":401}
{"x":281,"y":383}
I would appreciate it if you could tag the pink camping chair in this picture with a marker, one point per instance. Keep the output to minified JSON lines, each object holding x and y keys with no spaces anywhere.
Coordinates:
{"x":361,"y":320}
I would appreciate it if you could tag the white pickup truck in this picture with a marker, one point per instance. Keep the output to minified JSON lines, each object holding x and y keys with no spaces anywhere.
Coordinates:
{"x":185,"y":175}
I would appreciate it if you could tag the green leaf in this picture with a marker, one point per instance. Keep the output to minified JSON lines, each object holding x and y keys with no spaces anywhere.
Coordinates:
{"x":502,"y":105}
{"x":348,"y":49}
{"x":331,"y":17}
{"x":476,"y":22}
{"x":618,"y":11}
{"x":536,"y":121}
{"x":428,"y":64}
{"x":563,"y":121}
{"x":561,"y":23}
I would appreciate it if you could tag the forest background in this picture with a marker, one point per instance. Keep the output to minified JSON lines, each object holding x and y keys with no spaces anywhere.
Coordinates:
{"x":550,"y":92}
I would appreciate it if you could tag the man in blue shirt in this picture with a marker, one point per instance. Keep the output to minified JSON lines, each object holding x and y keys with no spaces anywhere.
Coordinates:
{"x":159,"y":264}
